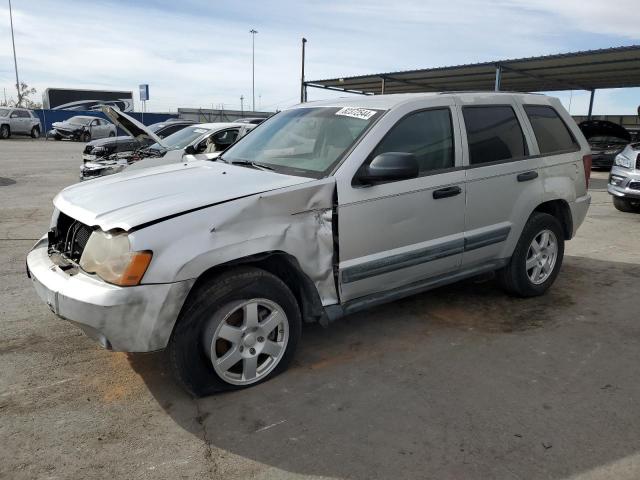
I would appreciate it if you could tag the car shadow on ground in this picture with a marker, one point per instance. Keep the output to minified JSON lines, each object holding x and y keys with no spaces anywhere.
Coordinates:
{"x":460,"y":382}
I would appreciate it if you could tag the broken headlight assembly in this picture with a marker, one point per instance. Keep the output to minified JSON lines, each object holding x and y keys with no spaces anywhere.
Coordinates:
{"x":109,"y":256}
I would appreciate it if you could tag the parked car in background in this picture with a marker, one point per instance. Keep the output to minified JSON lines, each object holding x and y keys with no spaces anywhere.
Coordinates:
{"x":326,"y":209}
{"x":254,"y":121}
{"x":624,"y":179}
{"x":127,"y":145}
{"x":19,"y":121}
{"x":207,"y":139}
{"x":606,"y":139}
{"x":82,"y":128}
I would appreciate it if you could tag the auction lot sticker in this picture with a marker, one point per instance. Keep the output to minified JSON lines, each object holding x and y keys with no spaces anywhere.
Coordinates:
{"x":361,"y":113}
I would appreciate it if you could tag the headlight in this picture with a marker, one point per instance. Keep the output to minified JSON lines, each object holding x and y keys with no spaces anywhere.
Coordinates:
{"x":611,"y":152}
{"x":109,"y":256}
{"x":622,"y":161}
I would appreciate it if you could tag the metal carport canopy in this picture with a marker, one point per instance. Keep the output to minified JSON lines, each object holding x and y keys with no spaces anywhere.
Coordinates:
{"x":617,"y":67}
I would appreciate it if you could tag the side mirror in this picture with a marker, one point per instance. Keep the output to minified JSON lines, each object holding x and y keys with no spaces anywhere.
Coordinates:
{"x":388,"y":167}
{"x":190,"y":150}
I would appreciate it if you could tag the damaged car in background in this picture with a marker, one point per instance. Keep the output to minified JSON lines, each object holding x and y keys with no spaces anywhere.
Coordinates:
{"x":606,"y":139}
{"x":624,"y":179}
{"x":125,"y":145}
{"x":192,"y":142}
{"x":82,"y":128}
{"x":326,"y":209}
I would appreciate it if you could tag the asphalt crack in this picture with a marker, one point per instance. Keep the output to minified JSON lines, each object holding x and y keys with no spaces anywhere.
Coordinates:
{"x":201,"y":418}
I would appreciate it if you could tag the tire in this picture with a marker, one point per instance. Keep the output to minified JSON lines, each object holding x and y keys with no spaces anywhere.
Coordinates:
{"x":35,"y":132}
{"x":5,"y":132}
{"x":86,"y":137}
{"x":515,"y":278}
{"x":626,"y":205}
{"x":57,"y":137}
{"x":219,"y":305}
{"x":111,"y":134}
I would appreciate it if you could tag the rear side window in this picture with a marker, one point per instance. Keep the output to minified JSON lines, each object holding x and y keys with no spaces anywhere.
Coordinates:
{"x":552,"y":133}
{"x":427,"y":134}
{"x":494,"y":134}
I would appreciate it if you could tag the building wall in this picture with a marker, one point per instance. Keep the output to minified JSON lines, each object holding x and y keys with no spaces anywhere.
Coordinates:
{"x":208,"y":115}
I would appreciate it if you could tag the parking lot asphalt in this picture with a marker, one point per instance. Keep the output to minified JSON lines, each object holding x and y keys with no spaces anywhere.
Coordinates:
{"x":461,"y":382}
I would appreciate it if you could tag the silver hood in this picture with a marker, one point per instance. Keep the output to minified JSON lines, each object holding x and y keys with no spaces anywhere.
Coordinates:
{"x":130,"y":125}
{"x":134,"y":198}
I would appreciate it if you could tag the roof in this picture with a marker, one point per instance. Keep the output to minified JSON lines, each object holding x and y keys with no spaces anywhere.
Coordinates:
{"x":616,"y":67}
{"x":386,"y":102}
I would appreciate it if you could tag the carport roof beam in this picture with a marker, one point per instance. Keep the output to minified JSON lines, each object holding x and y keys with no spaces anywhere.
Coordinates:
{"x":617,"y":67}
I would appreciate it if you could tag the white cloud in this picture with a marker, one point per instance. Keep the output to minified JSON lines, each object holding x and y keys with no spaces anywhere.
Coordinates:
{"x":199,"y":54}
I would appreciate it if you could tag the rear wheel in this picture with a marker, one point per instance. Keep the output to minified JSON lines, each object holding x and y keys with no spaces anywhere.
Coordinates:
{"x":5,"y":132}
{"x":626,"y":205}
{"x":35,"y":132}
{"x":237,"y":330}
{"x":537,"y":258}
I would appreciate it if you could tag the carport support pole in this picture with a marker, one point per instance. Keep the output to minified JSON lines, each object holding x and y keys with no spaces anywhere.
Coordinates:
{"x":593,"y":91}
{"x":498,"y":78}
{"x":303,"y":87}
{"x":382,"y":87}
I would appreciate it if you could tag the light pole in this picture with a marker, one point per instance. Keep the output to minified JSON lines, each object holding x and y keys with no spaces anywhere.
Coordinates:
{"x":15,"y":62}
{"x":253,"y":66}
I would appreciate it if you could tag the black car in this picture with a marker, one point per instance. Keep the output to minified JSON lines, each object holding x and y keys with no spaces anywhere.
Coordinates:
{"x":126,"y":144}
{"x":606,"y":139}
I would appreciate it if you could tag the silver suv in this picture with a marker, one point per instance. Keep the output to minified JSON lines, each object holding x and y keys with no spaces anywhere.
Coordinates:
{"x":21,"y":121}
{"x":624,"y":179}
{"x":325,"y":209}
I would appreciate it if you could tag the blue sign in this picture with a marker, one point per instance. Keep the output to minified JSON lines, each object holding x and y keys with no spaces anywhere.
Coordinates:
{"x":144,"y":92}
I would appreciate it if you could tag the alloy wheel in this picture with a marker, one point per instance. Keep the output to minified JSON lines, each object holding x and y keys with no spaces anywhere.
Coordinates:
{"x":249,"y":342}
{"x":542,"y":256}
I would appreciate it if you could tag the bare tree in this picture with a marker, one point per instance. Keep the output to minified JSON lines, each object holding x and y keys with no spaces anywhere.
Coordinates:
{"x":25,"y":93}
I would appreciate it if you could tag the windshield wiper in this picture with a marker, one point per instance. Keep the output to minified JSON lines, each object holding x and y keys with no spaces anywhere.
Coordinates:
{"x":248,"y":163}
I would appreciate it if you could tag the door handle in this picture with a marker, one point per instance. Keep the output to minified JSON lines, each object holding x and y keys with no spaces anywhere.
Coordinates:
{"x":446,"y":192}
{"x":526,"y":176}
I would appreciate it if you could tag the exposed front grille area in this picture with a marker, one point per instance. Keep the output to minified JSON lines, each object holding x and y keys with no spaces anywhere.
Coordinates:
{"x":634,"y":185}
{"x":69,"y":237}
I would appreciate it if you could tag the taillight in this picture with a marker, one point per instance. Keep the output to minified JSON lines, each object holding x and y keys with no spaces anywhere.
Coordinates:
{"x":586,"y":161}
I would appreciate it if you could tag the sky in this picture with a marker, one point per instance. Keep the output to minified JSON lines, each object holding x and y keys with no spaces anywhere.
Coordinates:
{"x":197,"y":53}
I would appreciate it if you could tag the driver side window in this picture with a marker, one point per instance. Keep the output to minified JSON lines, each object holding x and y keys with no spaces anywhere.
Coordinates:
{"x":427,"y":134}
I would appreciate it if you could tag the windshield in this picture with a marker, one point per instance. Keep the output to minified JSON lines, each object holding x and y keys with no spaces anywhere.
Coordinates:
{"x":4,"y":112}
{"x":79,"y":120}
{"x":304,"y":141}
{"x":182,"y":138}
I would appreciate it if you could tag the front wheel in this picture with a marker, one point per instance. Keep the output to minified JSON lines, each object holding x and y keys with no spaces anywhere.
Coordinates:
{"x":626,"y":205}
{"x":35,"y":132}
{"x":537,"y":258}
{"x":86,"y":137}
{"x":5,"y":132}
{"x":237,"y":330}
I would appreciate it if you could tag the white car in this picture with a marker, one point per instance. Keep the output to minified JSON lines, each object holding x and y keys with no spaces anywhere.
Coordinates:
{"x":14,"y":121}
{"x":204,"y":141}
{"x":325,"y":209}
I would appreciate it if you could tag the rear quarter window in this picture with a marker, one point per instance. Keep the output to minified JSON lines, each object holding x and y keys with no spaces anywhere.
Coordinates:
{"x":551,"y":132}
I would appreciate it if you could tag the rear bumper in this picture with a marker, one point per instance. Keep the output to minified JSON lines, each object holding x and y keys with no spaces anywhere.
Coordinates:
{"x":579,"y":210}
{"x":127,"y":319}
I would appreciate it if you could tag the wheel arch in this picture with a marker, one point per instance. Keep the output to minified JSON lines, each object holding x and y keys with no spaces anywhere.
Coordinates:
{"x":286,"y":268}
{"x":561,"y":211}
